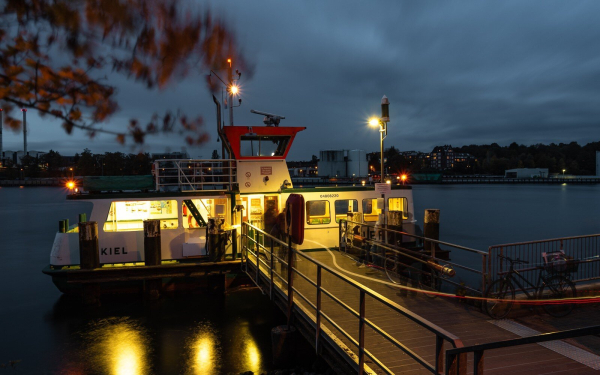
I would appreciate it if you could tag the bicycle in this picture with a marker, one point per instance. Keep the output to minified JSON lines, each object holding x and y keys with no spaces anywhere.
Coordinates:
{"x":500,"y":296}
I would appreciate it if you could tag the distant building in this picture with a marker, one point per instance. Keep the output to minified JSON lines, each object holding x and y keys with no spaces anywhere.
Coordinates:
{"x":304,"y":172}
{"x":343,"y":163}
{"x":526,"y":173}
{"x":442,"y":157}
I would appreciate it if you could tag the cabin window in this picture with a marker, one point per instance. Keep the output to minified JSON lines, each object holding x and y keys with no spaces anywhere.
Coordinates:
{"x":342,"y":208}
{"x":317,"y":212}
{"x":256,"y":145}
{"x":370,"y":210}
{"x":207,"y":208}
{"x":126,"y":216}
{"x":399,"y":204}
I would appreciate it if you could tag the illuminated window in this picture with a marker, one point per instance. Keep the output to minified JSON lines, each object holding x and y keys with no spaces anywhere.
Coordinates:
{"x":399,"y":204}
{"x":343,"y":207}
{"x":370,"y":210}
{"x":317,"y":212}
{"x":207,"y":208}
{"x":130,"y":215}
{"x":255,"y":145}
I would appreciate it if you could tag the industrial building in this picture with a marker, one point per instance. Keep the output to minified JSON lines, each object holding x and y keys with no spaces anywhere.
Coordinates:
{"x":526,"y":173}
{"x":343,"y":163}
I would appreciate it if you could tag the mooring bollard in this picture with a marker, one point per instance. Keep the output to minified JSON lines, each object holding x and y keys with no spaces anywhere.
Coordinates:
{"x":395,"y":219}
{"x":431,"y":229}
{"x":61,"y":227}
{"x":89,"y":255}
{"x":89,"y":258}
{"x":152,"y":256}
{"x":283,"y":343}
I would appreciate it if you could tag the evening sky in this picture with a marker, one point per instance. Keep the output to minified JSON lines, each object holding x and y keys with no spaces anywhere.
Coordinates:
{"x":455,"y":73}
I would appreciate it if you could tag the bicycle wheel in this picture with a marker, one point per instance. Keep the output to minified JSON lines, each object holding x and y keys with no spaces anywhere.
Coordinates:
{"x":499,"y":299}
{"x":557,"y":287}
{"x":393,"y":272}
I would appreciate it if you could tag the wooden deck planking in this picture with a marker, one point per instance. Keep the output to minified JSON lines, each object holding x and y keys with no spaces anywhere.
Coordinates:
{"x":466,"y":322}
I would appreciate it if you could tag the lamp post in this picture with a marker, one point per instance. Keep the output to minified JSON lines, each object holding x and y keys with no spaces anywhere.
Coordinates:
{"x":564,"y":173}
{"x":382,"y":122}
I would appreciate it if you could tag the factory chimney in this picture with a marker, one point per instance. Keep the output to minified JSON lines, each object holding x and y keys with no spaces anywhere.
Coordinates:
{"x":24,"y":110}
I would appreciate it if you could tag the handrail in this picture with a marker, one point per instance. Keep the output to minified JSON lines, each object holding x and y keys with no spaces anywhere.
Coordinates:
{"x":482,"y":274}
{"x":479,"y":349}
{"x":582,"y":249}
{"x":193,"y":174}
{"x":419,"y":237}
{"x":251,"y":256}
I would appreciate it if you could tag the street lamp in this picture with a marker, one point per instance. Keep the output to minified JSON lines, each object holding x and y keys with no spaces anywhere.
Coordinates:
{"x":564,"y":173}
{"x":382,"y":122}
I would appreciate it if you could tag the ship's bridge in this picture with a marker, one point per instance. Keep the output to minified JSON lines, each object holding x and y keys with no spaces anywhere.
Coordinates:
{"x":260,"y":142}
{"x":260,"y":153}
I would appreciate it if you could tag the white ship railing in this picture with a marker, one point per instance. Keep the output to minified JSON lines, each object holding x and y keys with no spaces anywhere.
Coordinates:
{"x":194,"y":174}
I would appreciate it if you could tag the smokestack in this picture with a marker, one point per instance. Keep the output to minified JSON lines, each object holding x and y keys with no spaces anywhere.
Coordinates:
{"x":24,"y":110}
{"x":598,"y":163}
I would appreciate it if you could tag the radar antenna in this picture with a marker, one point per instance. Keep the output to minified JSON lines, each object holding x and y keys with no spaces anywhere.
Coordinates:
{"x":270,"y":119}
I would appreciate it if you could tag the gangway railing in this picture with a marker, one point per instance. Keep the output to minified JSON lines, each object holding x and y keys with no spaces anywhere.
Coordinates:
{"x":256,"y":244}
{"x":378,"y":244}
{"x":452,"y":355}
{"x":583,"y":250}
{"x":194,"y":174}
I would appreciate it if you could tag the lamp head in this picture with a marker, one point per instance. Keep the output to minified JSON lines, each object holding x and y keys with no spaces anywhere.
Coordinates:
{"x":374,"y":121}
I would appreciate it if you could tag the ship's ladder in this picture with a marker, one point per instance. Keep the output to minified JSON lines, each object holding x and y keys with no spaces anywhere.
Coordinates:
{"x":194,"y":211}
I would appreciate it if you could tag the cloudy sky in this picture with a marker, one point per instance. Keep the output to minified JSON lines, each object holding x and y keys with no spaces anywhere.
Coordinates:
{"x":455,"y":72}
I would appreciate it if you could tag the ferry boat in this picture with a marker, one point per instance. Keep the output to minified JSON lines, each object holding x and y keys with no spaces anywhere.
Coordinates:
{"x":252,"y":185}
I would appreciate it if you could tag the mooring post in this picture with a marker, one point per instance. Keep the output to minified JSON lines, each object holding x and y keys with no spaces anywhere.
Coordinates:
{"x":431,"y":229}
{"x":152,"y":256}
{"x":89,"y":258}
{"x":395,"y":219}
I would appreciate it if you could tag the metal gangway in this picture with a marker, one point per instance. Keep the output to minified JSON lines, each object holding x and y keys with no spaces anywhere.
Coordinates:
{"x":194,"y":174}
{"x":363,"y":326}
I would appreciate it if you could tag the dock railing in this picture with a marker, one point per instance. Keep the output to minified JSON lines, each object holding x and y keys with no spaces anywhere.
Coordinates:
{"x":479,"y":350}
{"x":584,"y":251}
{"x":263,"y":255}
{"x":194,"y":174}
{"x":380,"y":243}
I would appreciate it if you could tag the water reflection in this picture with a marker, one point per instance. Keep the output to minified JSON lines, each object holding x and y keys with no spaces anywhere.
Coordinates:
{"x":250,"y":355}
{"x":118,"y":346}
{"x":204,"y":351}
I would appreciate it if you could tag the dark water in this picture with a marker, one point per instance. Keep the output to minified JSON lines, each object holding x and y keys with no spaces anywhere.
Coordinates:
{"x":49,"y":333}
{"x":201,"y":334}
{"x":479,"y":216}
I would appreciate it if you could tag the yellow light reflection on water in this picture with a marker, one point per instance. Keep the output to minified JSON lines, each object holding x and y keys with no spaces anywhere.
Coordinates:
{"x":252,"y":360}
{"x":119,"y":347}
{"x":252,"y":356}
{"x":204,"y":352}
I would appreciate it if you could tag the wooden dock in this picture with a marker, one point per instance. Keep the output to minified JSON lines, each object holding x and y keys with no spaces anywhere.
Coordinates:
{"x":464,"y":321}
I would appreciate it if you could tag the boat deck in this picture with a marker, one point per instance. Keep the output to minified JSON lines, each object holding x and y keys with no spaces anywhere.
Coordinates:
{"x":463,"y":320}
